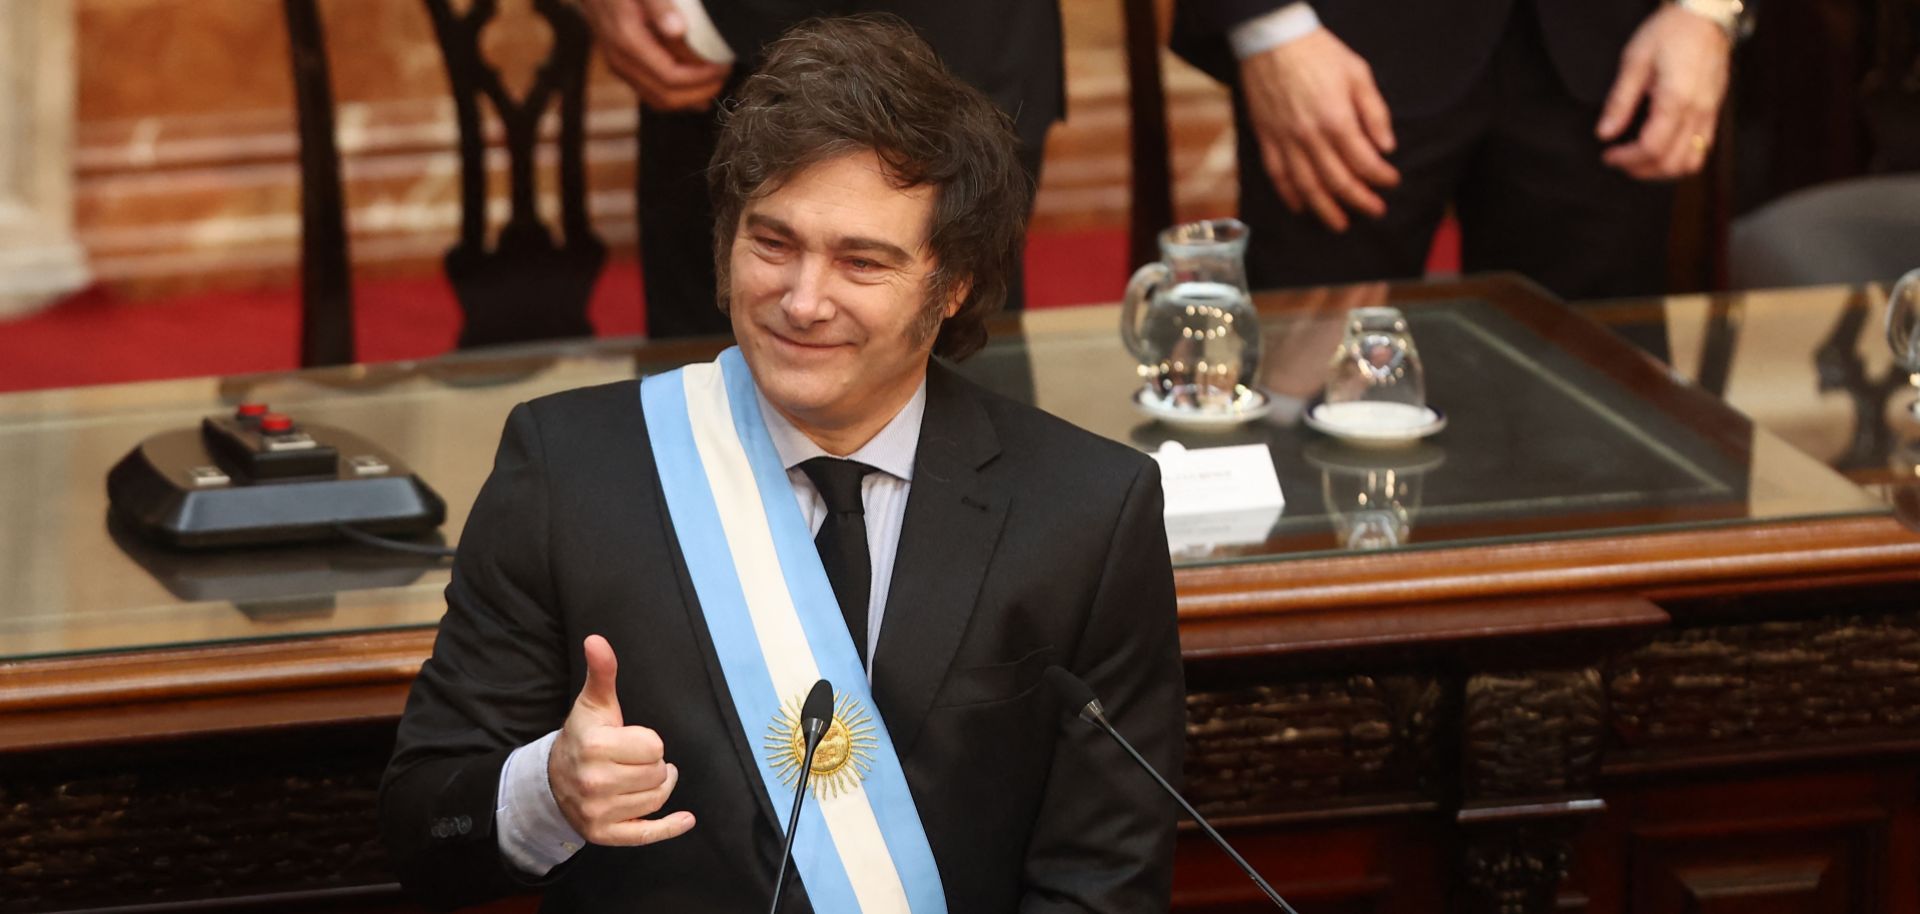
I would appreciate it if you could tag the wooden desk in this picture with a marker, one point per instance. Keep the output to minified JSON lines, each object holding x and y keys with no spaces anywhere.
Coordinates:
{"x":1632,"y":653}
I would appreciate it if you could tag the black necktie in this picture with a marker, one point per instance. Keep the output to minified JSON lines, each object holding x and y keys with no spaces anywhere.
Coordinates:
{"x":842,"y":540}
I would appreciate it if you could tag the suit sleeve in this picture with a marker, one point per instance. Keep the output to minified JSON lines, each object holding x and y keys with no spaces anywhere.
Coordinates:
{"x":1104,"y":839}
{"x":1200,"y":30}
{"x":497,"y":680}
{"x":1220,"y":16}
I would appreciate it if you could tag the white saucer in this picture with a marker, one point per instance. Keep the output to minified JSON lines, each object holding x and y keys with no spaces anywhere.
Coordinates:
{"x":1253,"y":405}
{"x":1369,"y":424}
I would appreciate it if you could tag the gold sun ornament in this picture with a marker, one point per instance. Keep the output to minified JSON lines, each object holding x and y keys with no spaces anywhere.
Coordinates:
{"x":845,"y":753}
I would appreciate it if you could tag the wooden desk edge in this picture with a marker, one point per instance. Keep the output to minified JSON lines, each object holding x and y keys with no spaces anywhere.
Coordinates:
{"x":1284,"y":607}
{"x":1733,"y":559}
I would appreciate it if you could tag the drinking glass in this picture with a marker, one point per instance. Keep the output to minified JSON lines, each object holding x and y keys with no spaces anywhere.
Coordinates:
{"x":1377,"y":363}
{"x":1903,"y":326}
{"x":1372,"y":496}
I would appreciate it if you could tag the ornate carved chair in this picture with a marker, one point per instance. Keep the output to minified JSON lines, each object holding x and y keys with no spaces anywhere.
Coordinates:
{"x":1151,"y":191}
{"x":532,"y":282}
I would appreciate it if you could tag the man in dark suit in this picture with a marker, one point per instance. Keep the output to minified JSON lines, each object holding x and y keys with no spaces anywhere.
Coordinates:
{"x":577,"y":728}
{"x":1009,"y":49}
{"x":1521,"y":114}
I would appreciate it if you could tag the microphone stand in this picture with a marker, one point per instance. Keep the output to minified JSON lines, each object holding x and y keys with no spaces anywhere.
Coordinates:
{"x":1100,"y":720}
{"x":1075,"y":696}
{"x":816,"y":728}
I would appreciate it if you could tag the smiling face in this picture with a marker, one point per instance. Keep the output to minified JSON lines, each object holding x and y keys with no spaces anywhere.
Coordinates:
{"x":828,"y":296}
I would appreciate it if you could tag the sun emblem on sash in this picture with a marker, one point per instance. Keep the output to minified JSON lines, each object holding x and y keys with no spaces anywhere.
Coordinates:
{"x":844,"y":756}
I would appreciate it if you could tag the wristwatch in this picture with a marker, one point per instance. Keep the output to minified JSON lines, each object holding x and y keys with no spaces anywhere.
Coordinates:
{"x":1730,"y":15}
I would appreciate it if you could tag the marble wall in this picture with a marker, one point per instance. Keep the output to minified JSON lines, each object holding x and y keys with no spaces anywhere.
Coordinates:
{"x":39,"y":259}
{"x":185,"y":170}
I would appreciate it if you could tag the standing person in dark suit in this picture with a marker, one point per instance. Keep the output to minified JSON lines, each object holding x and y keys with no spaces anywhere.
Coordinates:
{"x":1009,"y":49}
{"x":1551,"y":126}
{"x":656,"y":571}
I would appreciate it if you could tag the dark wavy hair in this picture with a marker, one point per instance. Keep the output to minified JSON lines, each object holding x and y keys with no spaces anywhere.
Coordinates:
{"x":834,"y":87}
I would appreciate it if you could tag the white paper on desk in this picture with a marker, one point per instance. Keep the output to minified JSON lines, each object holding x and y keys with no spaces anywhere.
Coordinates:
{"x":1218,"y":496}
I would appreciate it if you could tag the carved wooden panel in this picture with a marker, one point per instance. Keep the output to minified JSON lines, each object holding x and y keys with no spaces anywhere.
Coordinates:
{"x":1797,"y":885}
{"x":1797,"y":874}
{"x":1517,"y":869}
{"x":1776,"y":682}
{"x":1842,"y":839}
{"x":1537,"y":733}
{"x":158,"y":824}
{"x":1270,"y":748}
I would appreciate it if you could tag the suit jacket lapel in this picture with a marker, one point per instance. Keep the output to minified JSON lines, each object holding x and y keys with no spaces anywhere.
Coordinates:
{"x":952,"y":523}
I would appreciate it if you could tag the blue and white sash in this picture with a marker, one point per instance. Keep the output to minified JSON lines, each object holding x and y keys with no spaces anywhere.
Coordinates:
{"x":777,"y":629}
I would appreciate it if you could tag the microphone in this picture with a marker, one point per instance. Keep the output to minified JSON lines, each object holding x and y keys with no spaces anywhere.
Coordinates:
{"x":816,"y":714}
{"x":1077,"y":697}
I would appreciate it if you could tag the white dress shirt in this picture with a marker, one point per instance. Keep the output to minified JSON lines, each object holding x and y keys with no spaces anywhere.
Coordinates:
{"x":1271,"y":30}
{"x":532,"y":832}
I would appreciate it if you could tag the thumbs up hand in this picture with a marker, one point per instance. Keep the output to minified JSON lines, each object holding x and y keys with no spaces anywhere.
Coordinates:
{"x":606,"y":775}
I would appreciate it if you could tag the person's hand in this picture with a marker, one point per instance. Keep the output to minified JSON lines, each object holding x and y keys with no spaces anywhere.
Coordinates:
{"x":1678,"y":60}
{"x":1322,"y":126}
{"x":605,"y":775}
{"x":645,"y":44}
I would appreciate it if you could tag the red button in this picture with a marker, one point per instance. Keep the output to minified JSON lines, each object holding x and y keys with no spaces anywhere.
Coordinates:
{"x":251,"y":410}
{"x":276,"y":423}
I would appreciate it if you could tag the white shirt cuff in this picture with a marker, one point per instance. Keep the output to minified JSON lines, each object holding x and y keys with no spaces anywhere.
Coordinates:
{"x":533,"y":834}
{"x":1269,"y":31}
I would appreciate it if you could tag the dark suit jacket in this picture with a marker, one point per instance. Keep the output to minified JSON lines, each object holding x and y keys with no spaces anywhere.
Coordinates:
{"x":1026,"y":542}
{"x":1425,"y":54}
{"x":1009,"y":49}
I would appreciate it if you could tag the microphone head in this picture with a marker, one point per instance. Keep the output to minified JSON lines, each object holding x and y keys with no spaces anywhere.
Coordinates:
{"x":1074,"y":695}
{"x":819,"y":705}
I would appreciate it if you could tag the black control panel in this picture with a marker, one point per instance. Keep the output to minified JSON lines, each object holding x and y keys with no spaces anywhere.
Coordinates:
{"x":258,"y":476}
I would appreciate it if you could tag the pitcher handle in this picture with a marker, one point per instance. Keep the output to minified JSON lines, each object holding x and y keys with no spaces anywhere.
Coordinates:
{"x":1140,"y":291}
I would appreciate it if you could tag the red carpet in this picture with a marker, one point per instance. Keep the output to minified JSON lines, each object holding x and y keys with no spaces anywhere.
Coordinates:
{"x":96,"y":337}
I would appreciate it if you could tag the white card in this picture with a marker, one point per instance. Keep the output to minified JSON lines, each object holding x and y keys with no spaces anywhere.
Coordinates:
{"x":702,"y":37}
{"x":1220,"y":496}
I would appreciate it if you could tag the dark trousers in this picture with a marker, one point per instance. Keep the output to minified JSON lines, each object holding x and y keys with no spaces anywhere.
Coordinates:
{"x":1517,"y":158}
{"x":676,"y":225}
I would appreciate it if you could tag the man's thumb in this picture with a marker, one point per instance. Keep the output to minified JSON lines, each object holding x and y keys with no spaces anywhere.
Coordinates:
{"x":598,"y":693}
